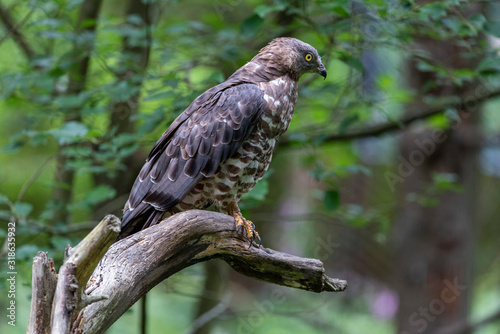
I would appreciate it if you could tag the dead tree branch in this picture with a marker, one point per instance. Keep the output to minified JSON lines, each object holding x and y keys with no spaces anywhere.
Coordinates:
{"x":43,"y":288}
{"x":134,"y":265}
{"x":78,"y":266}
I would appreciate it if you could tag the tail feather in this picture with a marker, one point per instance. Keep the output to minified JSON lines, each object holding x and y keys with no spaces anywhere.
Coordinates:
{"x":143,"y":216}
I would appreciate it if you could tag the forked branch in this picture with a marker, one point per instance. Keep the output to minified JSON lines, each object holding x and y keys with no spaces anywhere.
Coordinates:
{"x":134,"y":265}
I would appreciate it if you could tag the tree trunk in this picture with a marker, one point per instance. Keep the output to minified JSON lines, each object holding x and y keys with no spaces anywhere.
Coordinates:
{"x":433,"y":232}
{"x":132,"y":69}
{"x":64,"y":176}
{"x":213,"y":290}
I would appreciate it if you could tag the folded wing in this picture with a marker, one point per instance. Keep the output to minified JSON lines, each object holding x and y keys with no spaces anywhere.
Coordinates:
{"x":207,"y":133}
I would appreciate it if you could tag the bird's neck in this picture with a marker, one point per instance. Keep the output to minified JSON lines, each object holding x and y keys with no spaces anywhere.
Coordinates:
{"x":280,"y":96}
{"x":256,"y":72}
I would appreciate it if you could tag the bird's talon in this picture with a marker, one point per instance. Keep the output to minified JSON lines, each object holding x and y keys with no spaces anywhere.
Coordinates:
{"x":255,"y":236}
{"x":250,"y":228}
{"x":258,"y":238}
{"x":239,"y":228}
{"x":246,"y":227}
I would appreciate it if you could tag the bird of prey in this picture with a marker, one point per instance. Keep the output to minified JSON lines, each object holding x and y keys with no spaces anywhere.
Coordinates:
{"x":222,"y":144}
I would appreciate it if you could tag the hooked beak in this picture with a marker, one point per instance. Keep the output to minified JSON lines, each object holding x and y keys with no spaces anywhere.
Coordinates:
{"x":322,"y":71}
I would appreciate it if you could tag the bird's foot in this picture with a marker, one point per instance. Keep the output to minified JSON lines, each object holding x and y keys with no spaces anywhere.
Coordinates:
{"x":247,"y":228}
{"x":244,"y":226}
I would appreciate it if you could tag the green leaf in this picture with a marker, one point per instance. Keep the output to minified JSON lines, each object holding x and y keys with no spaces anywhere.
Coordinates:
{"x":341,"y":11}
{"x":422,"y":200}
{"x":452,"y":23}
{"x":263,"y":10}
{"x":435,"y":11}
{"x":69,"y":101}
{"x":478,"y":20}
{"x":88,"y":23}
{"x":128,"y":150}
{"x":251,"y":26}
{"x":356,"y":64}
{"x":5,"y":215}
{"x":38,"y":139}
{"x":379,"y":3}
{"x":60,"y":242}
{"x":355,"y":168}
{"x":298,"y":136}
{"x":356,"y":215}
{"x":489,"y":66}
{"x":22,"y":209}
{"x":4,"y":199}
{"x":353,"y":62}
{"x":162,"y":95}
{"x":347,"y":122}
{"x":78,"y":151}
{"x":258,"y":192}
{"x":78,"y":164}
{"x":26,"y":252}
{"x":447,"y":181}
{"x":492,"y":28}
{"x":331,"y":200}
{"x":99,"y":194}
{"x":74,"y":3}
{"x":69,"y":132}
{"x":121,"y":90}
{"x":152,"y":121}
{"x":12,"y":146}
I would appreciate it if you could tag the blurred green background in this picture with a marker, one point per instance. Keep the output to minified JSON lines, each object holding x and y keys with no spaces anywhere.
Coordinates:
{"x":389,"y":172}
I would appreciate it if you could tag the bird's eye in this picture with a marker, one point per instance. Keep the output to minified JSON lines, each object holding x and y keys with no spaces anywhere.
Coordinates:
{"x":308,"y":57}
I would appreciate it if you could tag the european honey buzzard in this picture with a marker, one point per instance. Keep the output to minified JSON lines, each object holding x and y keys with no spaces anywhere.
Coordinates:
{"x":222,"y":144}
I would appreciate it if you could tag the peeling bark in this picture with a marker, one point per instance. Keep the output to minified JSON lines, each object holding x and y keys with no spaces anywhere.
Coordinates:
{"x":42,"y":289}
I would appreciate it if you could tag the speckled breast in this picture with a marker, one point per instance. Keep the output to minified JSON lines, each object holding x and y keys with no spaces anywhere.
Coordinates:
{"x":239,"y":174}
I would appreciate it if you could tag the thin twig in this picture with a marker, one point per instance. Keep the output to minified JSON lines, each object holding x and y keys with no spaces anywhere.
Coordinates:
{"x":377,"y":130}
{"x":14,"y":30}
{"x":33,"y":178}
{"x":213,"y":313}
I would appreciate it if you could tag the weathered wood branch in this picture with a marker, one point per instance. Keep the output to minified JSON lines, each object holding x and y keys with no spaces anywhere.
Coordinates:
{"x":42,"y":292}
{"x":78,"y":266}
{"x":134,"y":265}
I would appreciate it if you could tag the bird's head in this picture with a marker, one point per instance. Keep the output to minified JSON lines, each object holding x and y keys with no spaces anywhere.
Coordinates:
{"x":291,"y":56}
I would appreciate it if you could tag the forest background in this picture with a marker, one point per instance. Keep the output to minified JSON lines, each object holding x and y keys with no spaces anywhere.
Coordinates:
{"x":389,"y":172}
